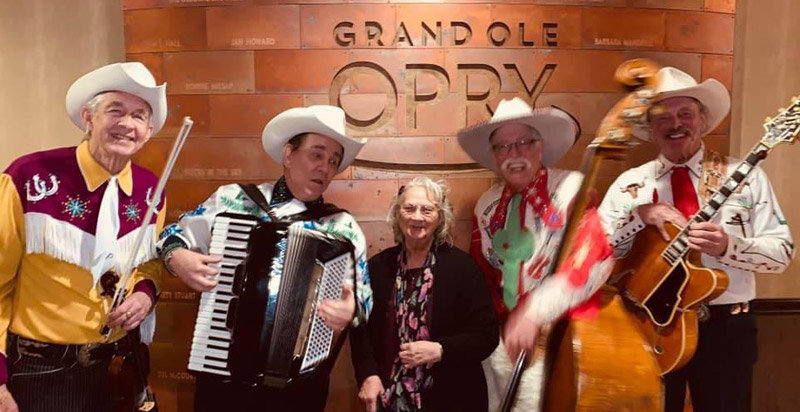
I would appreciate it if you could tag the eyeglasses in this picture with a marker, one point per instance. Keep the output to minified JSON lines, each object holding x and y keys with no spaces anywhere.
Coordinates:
{"x":409,"y":209}
{"x":522,"y":145}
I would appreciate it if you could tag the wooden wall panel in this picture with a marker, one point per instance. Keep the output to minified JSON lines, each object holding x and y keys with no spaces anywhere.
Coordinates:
{"x":265,"y":27}
{"x":720,"y":68}
{"x":722,"y":6}
{"x":603,"y":28}
{"x":246,"y":115}
{"x":195,"y":106}
{"x":233,"y":65}
{"x":278,"y":71}
{"x":700,"y":32}
{"x":210,"y":72}
{"x":160,"y":30}
{"x":776,"y":373}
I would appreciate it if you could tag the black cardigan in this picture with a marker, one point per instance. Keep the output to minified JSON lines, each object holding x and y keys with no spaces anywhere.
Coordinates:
{"x":464,"y":323}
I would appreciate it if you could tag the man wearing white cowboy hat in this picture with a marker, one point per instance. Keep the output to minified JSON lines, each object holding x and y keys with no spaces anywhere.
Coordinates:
{"x":312,"y":146}
{"x":68,"y":219}
{"x":517,"y":229}
{"x":748,"y":235}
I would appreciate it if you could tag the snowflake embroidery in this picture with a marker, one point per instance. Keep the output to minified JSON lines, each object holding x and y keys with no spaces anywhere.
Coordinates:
{"x":171,"y":230}
{"x":75,"y":207}
{"x":198,"y":211}
{"x":132,"y":212}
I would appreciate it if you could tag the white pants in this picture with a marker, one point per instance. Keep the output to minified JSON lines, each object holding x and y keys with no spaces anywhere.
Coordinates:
{"x":497,"y":369}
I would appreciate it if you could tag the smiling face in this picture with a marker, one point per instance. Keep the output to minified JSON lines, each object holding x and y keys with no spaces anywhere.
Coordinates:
{"x":517,"y":151}
{"x":418,"y":216}
{"x":677,"y":125}
{"x":119,"y":125}
{"x":309,"y":169}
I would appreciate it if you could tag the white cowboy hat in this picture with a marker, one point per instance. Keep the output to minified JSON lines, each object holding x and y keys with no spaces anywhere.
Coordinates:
{"x":671,"y":82}
{"x":324,"y":120}
{"x":130,"y":77}
{"x":559,"y":131}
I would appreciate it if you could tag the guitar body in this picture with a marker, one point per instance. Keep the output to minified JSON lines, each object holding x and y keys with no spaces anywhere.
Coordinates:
{"x":673,"y":345}
{"x":601,"y":364}
{"x":664,"y":297}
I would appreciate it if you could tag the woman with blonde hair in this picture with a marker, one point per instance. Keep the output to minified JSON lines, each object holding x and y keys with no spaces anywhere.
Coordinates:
{"x":432,"y":322}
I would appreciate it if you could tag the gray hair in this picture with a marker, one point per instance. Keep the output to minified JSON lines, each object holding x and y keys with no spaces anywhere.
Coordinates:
{"x":438,"y":191}
{"x":94,"y":103}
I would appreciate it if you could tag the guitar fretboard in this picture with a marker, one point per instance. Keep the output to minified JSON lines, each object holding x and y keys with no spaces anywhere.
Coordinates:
{"x":679,"y":246}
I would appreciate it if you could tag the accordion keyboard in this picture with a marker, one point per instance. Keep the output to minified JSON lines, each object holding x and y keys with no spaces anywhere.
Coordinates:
{"x":212,"y":339}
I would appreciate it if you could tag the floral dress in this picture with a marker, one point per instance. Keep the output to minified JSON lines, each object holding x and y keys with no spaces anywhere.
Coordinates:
{"x":413,"y":301}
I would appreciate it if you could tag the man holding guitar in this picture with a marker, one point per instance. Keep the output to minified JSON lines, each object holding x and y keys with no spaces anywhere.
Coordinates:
{"x":748,"y":235}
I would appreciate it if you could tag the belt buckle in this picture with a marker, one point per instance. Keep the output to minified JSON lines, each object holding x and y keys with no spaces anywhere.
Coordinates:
{"x":85,"y":355}
{"x":30,"y":347}
{"x":703,"y":313}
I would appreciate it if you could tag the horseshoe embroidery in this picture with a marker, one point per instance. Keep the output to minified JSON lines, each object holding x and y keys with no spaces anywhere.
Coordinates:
{"x":148,"y":196}
{"x":40,"y":188}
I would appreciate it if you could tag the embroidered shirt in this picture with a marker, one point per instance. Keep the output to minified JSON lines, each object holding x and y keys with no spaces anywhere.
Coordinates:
{"x":759,"y":239}
{"x":49,"y":202}
{"x":193,"y":230}
{"x":547,"y":297}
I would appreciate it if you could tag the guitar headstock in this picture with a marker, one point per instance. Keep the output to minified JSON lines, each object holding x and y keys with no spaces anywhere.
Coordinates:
{"x":630,"y":112}
{"x":784,"y":127}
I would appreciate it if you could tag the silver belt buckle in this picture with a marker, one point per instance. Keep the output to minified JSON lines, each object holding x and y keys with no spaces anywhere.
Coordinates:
{"x":84,"y":355}
{"x":703,"y":314}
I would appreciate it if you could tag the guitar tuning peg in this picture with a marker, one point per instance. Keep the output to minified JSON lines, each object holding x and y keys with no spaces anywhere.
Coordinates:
{"x":767,"y":119}
{"x":781,"y":110}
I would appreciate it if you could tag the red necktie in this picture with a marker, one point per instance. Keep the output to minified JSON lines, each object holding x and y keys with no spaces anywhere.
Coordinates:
{"x":683,"y":194}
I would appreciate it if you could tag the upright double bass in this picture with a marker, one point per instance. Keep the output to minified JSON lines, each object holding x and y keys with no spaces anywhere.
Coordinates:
{"x":598,"y":363}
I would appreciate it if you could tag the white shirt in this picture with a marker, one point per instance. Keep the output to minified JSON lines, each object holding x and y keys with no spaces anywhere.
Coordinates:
{"x":759,"y":239}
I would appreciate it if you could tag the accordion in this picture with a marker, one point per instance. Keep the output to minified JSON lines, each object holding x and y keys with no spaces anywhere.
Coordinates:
{"x":259,"y":325}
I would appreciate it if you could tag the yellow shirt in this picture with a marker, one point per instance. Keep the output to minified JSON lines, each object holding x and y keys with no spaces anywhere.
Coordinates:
{"x":50,"y":299}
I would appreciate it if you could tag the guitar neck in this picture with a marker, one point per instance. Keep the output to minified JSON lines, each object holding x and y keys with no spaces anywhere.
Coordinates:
{"x":679,"y":246}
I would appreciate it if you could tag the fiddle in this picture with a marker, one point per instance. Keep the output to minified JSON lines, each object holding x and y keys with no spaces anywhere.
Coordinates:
{"x":128,"y":386}
{"x":127,"y":373}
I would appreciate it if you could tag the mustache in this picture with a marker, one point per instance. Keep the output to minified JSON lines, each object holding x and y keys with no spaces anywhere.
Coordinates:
{"x":507,"y":163}
{"x":680,"y":129}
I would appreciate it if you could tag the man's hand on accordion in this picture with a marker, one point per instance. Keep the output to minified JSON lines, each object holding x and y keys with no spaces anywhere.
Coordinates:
{"x":337,"y":314}
{"x":193,"y":269}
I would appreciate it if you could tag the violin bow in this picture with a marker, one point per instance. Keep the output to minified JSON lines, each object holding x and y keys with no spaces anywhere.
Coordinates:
{"x":127,"y":270}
